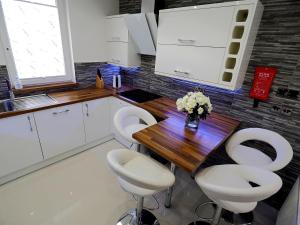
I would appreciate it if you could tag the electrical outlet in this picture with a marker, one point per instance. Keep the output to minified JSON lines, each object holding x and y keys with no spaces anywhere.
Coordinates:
{"x":276,"y":108}
{"x":286,"y":111}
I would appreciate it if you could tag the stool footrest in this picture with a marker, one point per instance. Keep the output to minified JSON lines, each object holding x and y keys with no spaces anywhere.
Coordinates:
{"x":130,"y":218}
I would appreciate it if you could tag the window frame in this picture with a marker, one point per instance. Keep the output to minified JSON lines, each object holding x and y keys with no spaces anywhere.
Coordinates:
{"x":64,"y":22}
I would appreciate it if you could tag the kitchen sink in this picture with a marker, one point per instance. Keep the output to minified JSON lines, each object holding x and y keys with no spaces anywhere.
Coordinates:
{"x":27,"y":102}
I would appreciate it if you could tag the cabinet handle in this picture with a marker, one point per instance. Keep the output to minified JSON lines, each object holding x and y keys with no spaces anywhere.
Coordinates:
{"x":87,"y":110}
{"x":186,"y":40}
{"x":181,"y":72}
{"x":30,"y":124}
{"x":60,"y":112}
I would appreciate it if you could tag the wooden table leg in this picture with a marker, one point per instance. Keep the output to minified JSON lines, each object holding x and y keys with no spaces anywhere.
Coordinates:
{"x":170,"y":189}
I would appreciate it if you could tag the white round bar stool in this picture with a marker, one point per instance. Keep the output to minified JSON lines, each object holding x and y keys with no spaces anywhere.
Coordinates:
{"x":228,"y":186}
{"x":141,"y":176}
{"x":125,"y":130}
{"x":244,"y":155}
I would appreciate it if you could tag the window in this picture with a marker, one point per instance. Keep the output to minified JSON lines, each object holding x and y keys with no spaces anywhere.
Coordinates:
{"x":35,"y":34}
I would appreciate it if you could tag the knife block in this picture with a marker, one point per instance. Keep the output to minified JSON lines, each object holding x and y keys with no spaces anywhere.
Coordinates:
{"x":99,"y":82}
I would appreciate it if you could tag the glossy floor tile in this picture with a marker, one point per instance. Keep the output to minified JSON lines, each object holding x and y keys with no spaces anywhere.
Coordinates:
{"x":82,"y":190}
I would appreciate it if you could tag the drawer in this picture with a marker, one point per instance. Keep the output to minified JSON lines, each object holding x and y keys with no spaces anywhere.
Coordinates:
{"x":195,"y":63}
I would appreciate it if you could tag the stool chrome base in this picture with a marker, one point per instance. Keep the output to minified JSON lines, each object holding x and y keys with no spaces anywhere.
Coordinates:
{"x":238,"y":219}
{"x":130,"y":218}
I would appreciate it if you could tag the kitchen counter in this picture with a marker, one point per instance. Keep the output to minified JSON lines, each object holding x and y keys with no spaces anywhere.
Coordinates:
{"x":66,"y":98}
{"x":169,"y":138}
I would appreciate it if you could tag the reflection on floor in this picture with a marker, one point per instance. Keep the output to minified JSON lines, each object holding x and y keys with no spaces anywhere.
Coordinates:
{"x":81,"y":190}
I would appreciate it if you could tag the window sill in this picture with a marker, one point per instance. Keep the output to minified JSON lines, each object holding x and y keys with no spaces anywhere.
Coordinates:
{"x":44,"y":87}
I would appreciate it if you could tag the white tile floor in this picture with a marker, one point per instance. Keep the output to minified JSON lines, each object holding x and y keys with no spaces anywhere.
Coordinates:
{"x":82,"y":190}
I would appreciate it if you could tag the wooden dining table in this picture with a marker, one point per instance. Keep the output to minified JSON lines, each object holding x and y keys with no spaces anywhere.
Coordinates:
{"x":183,"y":147}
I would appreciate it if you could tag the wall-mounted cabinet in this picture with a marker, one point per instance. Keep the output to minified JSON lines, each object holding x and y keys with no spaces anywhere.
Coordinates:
{"x":120,"y":48}
{"x":209,"y":44}
{"x":171,"y":60}
{"x":194,"y":27}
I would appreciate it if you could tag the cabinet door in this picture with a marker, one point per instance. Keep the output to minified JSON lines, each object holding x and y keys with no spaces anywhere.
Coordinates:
{"x":199,"y":27}
{"x":117,"y":53}
{"x":20,"y":145}
{"x":96,"y":119}
{"x":60,"y":129}
{"x":194,"y":63}
{"x":116,"y":29}
{"x":117,"y":104}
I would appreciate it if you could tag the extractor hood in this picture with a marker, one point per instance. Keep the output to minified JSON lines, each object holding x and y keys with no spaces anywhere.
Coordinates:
{"x":142,"y":26}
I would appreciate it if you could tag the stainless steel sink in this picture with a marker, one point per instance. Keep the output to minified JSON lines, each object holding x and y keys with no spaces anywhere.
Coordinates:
{"x":27,"y":102}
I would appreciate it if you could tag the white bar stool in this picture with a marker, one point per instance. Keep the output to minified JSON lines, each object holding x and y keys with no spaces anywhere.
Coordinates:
{"x":125,"y":130}
{"x":228,"y":186}
{"x":141,"y":176}
{"x":244,"y":155}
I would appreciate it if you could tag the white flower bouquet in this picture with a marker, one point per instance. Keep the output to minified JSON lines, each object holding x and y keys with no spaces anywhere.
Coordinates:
{"x":196,"y":104}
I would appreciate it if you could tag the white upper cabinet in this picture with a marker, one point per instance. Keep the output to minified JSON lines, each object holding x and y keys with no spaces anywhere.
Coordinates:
{"x":60,"y":129}
{"x":196,"y":27}
{"x":97,"y":122}
{"x":20,"y":145}
{"x":116,"y":29}
{"x":120,"y":48}
{"x":208,"y":44}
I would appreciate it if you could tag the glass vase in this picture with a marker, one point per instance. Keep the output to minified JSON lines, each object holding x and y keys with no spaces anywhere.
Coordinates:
{"x":192,"y":121}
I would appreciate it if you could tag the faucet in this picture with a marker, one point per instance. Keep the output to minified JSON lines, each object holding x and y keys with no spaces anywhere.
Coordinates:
{"x":10,"y":90}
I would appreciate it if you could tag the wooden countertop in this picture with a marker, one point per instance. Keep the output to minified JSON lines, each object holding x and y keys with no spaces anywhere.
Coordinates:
{"x":169,"y":138}
{"x":66,"y":98}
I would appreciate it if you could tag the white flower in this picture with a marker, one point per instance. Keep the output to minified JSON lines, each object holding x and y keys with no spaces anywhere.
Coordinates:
{"x":190,"y":111}
{"x":191,"y":103}
{"x":200,"y":110}
{"x":194,"y":101}
{"x":180,"y":105}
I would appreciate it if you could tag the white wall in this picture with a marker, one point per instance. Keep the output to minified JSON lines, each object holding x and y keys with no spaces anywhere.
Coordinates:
{"x":87,"y":28}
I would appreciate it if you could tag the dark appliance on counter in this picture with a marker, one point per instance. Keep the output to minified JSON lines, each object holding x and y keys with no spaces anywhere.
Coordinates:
{"x":139,"y":96}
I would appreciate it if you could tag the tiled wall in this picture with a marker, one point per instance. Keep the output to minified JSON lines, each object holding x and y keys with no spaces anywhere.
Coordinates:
{"x":278,"y":45}
{"x":3,"y":76}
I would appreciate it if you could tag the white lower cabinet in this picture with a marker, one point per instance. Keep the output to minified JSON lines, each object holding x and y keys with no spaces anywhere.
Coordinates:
{"x":117,"y":104}
{"x":20,"y":145}
{"x":31,"y":138}
{"x":60,"y":129}
{"x":97,"y":121}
